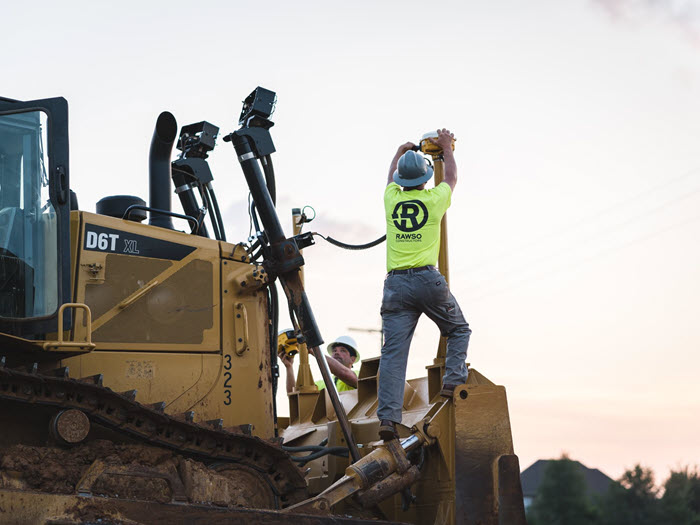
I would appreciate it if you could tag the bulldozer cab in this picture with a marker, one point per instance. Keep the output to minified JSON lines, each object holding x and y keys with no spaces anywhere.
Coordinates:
{"x":34,"y":216}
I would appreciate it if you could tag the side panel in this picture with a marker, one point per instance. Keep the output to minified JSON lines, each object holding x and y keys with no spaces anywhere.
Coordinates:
{"x":148,"y":289}
{"x":247,"y":370}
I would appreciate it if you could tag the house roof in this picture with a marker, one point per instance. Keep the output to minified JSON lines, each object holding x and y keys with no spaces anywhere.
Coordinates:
{"x":531,"y":477}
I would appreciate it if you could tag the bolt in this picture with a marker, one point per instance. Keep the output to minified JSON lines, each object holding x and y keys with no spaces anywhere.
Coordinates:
{"x":463,"y":394}
{"x":238,"y":316}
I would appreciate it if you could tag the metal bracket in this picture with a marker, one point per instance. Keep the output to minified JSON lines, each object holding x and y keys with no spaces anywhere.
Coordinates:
{"x":59,"y":345}
{"x":240,"y":326}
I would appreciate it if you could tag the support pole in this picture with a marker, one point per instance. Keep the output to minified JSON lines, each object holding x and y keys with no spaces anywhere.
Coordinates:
{"x":305,"y":379}
{"x":443,"y":256}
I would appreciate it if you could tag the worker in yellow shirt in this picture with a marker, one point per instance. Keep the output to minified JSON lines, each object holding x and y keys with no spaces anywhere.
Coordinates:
{"x":342,"y":354}
{"x":413,"y":286}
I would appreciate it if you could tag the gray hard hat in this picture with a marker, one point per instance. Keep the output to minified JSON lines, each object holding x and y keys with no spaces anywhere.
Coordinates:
{"x":413,"y":170}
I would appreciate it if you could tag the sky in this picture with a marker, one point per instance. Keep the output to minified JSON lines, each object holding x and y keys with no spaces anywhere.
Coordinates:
{"x":574,"y":227}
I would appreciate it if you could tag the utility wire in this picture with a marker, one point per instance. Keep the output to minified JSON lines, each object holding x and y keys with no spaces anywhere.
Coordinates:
{"x":556,"y":233}
{"x":601,"y":232}
{"x":585,"y":260}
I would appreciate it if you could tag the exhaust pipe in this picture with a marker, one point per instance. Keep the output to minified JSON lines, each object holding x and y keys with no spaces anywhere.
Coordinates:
{"x":159,"y":169}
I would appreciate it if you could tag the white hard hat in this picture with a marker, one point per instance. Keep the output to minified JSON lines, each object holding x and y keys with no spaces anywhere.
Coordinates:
{"x":347,"y":342}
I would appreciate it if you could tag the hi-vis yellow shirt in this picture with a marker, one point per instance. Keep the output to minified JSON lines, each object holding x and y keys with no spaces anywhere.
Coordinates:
{"x":413,"y":225}
{"x":340,"y":385}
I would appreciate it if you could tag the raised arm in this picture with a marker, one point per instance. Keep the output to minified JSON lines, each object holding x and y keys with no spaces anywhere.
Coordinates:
{"x":395,"y":161}
{"x":444,"y":141}
{"x":288,"y":362}
{"x":341,"y":371}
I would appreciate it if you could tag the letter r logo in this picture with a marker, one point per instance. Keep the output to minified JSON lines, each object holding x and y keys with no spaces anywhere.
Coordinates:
{"x":410,"y":216}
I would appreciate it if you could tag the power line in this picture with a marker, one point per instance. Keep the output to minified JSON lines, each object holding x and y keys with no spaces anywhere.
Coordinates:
{"x":556,"y":233}
{"x":601,"y":232}
{"x":585,"y":260}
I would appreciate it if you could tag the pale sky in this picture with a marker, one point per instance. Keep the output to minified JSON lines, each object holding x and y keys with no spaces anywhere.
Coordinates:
{"x":574,"y":227}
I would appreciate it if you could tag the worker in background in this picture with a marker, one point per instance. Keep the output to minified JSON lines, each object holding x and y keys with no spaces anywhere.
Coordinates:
{"x":413,"y":285}
{"x":342,"y":354}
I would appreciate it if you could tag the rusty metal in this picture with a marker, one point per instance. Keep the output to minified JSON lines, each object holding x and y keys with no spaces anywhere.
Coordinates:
{"x":387,"y":487}
{"x":70,"y":426}
{"x":380,"y":474}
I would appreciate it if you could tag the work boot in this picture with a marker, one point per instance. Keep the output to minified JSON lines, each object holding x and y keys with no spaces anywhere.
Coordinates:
{"x":387,"y":430}
{"x":448,"y":391}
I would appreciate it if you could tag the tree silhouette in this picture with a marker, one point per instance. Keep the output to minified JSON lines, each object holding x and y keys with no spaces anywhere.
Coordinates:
{"x":561,"y":497}
{"x":680,"y":504}
{"x":632,"y":500}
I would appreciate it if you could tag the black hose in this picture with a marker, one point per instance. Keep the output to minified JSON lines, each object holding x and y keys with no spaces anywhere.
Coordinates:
{"x":335,"y":451}
{"x":207,"y":203}
{"x":217,"y":213}
{"x":274,"y":315}
{"x":352,"y":246}
{"x":269,"y":171}
{"x":305,"y":448}
{"x":254,"y":216}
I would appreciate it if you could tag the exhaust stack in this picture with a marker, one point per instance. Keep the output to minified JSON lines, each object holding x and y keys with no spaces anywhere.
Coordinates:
{"x":159,"y":169}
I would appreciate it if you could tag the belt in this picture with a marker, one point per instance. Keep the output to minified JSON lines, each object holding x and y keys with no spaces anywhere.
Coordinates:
{"x":412,"y":270}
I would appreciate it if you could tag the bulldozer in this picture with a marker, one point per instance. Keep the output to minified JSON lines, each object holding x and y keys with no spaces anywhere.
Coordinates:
{"x":138,"y":358}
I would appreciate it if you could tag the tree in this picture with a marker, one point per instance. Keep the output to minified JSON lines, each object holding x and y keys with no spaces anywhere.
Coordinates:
{"x":680,"y":504}
{"x":561,"y":497}
{"x":632,"y":500}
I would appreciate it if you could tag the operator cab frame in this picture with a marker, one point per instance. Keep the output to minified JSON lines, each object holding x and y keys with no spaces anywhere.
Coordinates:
{"x":35,"y":266}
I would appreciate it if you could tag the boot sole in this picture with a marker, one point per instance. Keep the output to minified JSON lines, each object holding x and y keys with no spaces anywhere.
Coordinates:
{"x":388,"y":433}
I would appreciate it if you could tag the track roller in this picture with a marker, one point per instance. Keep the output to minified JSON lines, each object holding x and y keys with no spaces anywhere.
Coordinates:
{"x":70,"y":426}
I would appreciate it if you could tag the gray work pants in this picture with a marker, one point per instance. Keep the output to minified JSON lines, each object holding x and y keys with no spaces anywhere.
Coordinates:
{"x":406,"y":297}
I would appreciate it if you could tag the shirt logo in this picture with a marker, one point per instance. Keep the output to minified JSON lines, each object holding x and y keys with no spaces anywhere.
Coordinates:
{"x":410,"y":216}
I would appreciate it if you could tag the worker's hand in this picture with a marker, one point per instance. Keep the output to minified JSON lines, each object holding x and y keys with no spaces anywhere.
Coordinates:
{"x":403,"y":148}
{"x":287,"y":360}
{"x":444,"y":139}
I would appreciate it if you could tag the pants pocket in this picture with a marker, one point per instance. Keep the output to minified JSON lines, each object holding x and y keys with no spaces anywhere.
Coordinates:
{"x":391,"y":299}
{"x":440,"y":291}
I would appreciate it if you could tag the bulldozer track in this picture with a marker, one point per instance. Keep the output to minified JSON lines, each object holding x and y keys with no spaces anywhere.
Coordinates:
{"x":149,"y":423}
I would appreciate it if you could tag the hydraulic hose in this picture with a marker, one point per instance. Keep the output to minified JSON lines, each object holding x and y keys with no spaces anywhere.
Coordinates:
{"x":274,"y":315}
{"x":351,"y":246}
{"x":335,"y":451}
{"x":207,"y":203}
{"x":217,"y":212}
{"x":269,"y":171}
